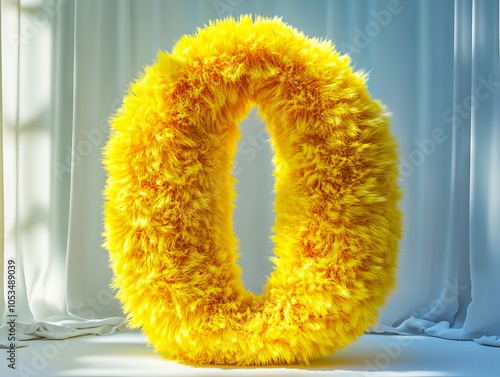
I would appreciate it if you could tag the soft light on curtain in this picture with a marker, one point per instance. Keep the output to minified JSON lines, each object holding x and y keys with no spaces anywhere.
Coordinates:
{"x":451,"y":254}
{"x":65,"y":69}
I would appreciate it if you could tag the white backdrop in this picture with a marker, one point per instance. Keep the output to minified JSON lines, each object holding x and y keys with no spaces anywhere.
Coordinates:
{"x":65,"y":69}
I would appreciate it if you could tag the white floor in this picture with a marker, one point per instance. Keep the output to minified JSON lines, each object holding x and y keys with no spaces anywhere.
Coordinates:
{"x":125,"y":354}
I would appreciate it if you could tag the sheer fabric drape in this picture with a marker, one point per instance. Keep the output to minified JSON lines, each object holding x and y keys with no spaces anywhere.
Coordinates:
{"x":451,"y":252}
{"x":65,"y":69}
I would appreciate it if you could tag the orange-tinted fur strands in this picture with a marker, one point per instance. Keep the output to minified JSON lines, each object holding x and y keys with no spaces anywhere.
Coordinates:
{"x":170,"y":192}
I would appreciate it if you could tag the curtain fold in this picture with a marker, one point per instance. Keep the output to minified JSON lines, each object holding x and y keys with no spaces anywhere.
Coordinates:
{"x":66,"y":65}
{"x":39,"y":162}
{"x":482,"y":317}
{"x":467,"y":306}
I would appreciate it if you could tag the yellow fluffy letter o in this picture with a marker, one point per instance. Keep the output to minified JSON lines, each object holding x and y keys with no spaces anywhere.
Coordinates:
{"x":170,"y":191}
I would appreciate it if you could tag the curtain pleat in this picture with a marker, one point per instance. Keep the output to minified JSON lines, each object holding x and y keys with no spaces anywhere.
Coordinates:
{"x":467,"y":301}
{"x":66,"y":66}
{"x":39,"y":162}
{"x":483,"y":314}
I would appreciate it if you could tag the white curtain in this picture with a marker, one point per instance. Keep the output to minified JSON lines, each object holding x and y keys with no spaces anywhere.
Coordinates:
{"x":65,"y":69}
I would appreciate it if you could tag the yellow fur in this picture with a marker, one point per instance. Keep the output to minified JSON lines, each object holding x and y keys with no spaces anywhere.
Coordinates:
{"x":170,"y":197}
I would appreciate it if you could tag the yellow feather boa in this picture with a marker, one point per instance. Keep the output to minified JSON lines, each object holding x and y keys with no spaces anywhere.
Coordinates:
{"x":169,"y":198}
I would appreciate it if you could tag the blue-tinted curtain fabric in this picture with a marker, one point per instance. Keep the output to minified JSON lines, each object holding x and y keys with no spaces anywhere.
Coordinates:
{"x":435,"y":64}
{"x":450,"y":259}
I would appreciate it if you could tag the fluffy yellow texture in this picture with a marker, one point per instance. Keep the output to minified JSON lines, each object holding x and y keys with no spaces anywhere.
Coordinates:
{"x":170,"y":192}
